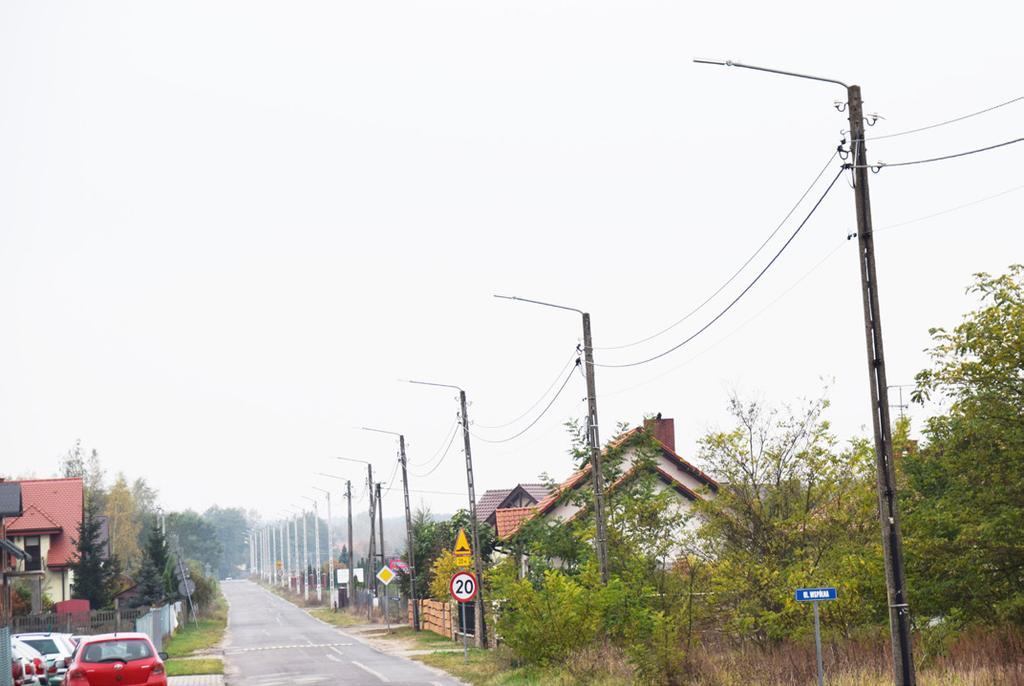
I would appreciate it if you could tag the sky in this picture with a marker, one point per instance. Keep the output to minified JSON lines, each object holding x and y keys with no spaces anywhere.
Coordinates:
{"x":227,"y":229}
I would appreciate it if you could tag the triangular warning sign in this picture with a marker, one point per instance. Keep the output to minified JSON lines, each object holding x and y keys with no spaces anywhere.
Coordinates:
{"x":462,"y":544}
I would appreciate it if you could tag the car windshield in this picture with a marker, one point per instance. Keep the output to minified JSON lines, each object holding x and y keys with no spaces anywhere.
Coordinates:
{"x":121,"y":650}
{"x":46,"y":646}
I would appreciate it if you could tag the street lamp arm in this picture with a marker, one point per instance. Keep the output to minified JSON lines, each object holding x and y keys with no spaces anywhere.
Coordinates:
{"x":538,"y":302}
{"x":352,"y":459}
{"x":380,"y":431}
{"x":431,"y":383}
{"x":730,"y":63}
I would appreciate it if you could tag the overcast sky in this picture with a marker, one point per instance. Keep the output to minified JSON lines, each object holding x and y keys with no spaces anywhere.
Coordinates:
{"x":228,"y":228}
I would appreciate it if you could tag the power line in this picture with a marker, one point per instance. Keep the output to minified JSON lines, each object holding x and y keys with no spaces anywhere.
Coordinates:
{"x":575,"y":354}
{"x":878,"y":166}
{"x":433,"y":469}
{"x":948,"y":121}
{"x":951,"y":209}
{"x":743,"y":292}
{"x":738,"y":271}
{"x":454,"y":425}
{"x":538,"y":418}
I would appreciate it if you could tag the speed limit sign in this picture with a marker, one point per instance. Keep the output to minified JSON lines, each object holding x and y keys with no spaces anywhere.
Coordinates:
{"x":463,"y":586}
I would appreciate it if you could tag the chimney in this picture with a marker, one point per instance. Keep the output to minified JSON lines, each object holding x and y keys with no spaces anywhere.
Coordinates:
{"x":662,"y":429}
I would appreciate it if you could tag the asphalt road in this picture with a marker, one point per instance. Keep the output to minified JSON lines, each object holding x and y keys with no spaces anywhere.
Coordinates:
{"x":270,"y":641}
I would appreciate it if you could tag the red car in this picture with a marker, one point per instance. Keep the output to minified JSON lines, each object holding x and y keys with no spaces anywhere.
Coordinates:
{"x":121,"y":659}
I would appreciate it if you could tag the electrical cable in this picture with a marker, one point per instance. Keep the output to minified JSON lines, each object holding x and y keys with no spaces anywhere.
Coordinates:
{"x":742,"y":293}
{"x":543,"y":395}
{"x":433,"y":456}
{"x":878,"y":166}
{"x":538,"y":417}
{"x":951,"y":209}
{"x":948,"y":121}
{"x":394,"y":473}
{"x":738,"y":271}
{"x":443,"y":455}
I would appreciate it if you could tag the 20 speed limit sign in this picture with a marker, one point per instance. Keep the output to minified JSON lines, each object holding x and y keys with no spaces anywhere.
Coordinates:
{"x":463,"y":586}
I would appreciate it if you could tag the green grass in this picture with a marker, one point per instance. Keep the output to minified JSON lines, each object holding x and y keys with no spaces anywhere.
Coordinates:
{"x":211,"y":665}
{"x":207,"y":634}
{"x":491,"y":668}
{"x":339,"y":618}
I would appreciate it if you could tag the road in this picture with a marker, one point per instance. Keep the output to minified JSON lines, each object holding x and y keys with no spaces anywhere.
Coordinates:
{"x":270,"y":641}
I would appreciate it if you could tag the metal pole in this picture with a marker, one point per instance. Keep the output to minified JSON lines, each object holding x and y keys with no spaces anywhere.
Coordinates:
{"x":465,"y":641}
{"x":888,"y":509}
{"x":409,"y":535}
{"x":817,"y":645}
{"x":601,"y":539}
{"x":480,"y":625}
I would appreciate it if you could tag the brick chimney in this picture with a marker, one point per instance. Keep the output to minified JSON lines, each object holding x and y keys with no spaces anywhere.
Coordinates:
{"x":662,"y":429}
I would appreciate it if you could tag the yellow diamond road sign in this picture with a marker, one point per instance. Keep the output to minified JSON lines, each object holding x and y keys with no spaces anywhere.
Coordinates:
{"x":463,"y":553}
{"x":386,"y":575}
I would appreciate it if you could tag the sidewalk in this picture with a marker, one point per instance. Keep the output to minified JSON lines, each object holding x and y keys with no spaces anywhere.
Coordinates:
{"x":200,"y":680}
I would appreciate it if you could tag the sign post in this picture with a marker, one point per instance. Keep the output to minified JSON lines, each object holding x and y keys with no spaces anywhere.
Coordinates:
{"x":814,"y":596}
{"x":463,"y":588}
{"x":386,"y":576}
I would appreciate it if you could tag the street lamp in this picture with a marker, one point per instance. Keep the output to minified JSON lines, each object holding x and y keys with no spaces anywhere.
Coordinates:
{"x":888,"y":510}
{"x":373,"y":506}
{"x":348,"y":497}
{"x":479,"y":624}
{"x":601,"y":538}
{"x":408,"y":526}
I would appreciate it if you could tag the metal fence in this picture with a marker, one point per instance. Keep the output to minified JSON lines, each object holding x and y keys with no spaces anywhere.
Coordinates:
{"x":5,"y":657}
{"x":159,"y":623}
{"x":93,"y":622}
{"x":397,"y":606}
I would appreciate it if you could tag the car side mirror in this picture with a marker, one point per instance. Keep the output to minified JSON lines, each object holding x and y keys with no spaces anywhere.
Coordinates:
{"x":162,"y":655}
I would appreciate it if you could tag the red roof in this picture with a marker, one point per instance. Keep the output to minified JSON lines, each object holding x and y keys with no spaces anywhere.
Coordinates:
{"x":51,"y":506}
{"x":510,"y":518}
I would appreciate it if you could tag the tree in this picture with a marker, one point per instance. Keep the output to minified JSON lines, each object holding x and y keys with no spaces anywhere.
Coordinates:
{"x":73,"y":462}
{"x":230,"y":525}
{"x":793,"y":510}
{"x":196,"y":536}
{"x":152,"y":583}
{"x":964,"y":501}
{"x":95,"y":576}
{"x":124,"y":526}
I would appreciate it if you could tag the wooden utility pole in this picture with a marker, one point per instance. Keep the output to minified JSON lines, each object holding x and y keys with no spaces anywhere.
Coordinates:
{"x":411,"y":542}
{"x":601,"y":543}
{"x":888,"y":509}
{"x":480,"y":624}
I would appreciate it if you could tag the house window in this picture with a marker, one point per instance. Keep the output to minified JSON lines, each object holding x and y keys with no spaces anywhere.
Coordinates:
{"x":34,"y":563}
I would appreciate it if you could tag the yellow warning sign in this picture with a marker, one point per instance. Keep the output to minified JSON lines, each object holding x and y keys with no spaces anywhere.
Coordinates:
{"x":462,"y":544}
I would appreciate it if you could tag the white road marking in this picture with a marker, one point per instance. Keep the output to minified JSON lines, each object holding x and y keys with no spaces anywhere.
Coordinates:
{"x":334,"y":659}
{"x":370,"y":671}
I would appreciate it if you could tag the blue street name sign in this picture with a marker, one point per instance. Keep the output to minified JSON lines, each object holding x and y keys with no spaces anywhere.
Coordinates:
{"x":809,"y":595}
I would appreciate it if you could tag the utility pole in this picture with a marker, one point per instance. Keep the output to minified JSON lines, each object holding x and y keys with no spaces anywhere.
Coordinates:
{"x":593,"y":437}
{"x":411,"y":542}
{"x":595,"y":452}
{"x":888,"y":508}
{"x":348,"y":497}
{"x":295,"y":558}
{"x":480,"y":626}
{"x":380,"y":532}
{"x":316,"y":537}
{"x":305,"y":558}
{"x":330,"y":547}
{"x":287,"y":554}
{"x":370,"y":555}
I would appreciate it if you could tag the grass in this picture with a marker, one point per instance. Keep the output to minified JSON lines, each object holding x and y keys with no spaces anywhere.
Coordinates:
{"x":492,"y":668}
{"x":209,"y":632}
{"x":205,"y":665}
{"x":340,"y":618}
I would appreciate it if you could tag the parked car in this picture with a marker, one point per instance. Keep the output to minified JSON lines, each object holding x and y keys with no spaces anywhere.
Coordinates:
{"x":32,"y":664}
{"x":121,"y":658}
{"x":56,"y":650}
{"x":17,"y":672}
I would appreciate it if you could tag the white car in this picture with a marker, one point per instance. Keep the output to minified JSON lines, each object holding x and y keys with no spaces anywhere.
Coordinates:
{"x":56,"y":649}
{"x":33,"y":665}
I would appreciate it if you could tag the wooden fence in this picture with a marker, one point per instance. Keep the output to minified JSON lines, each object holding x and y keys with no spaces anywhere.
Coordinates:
{"x":436,"y":616}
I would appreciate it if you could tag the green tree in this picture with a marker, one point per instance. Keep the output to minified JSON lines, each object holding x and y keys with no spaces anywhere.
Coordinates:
{"x":153,"y":587}
{"x":196,"y":536}
{"x":95,"y":576}
{"x":964,"y":500}
{"x":123,"y":523}
{"x":230,"y":525}
{"x":794,"y":510}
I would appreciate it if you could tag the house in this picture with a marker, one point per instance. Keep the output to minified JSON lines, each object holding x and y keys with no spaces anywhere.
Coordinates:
{"x":671,"y":470}
{"x":10,"y":506}
{"x":522,"y":495}
{"x":46,"y":531}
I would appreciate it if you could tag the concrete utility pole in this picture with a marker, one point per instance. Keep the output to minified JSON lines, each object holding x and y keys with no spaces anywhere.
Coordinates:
{"x":888,"y":510}
{"x":287,"y":554}
{"x":408,"y":526}
{"x":316,"y":545}
{"x":479,"y":623}
{"x":370,"y":555}
{"x":350,"y":562}
{"x":330,"y":547}
{"x":593,"y":437}
{"x":380,"y":532}
{"x":305,"y":558}
{"x":888,"y":507}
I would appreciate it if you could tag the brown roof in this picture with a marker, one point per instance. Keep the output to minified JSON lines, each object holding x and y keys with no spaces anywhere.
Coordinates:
{"x":489,"y":501}
{"x":580,"y":476}
{"x":510,"y":518}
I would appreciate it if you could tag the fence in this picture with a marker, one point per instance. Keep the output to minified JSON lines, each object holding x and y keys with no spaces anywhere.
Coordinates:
{"x":159,"y":623}
{"x":6,"y":679}
{"x":93,"y":622}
